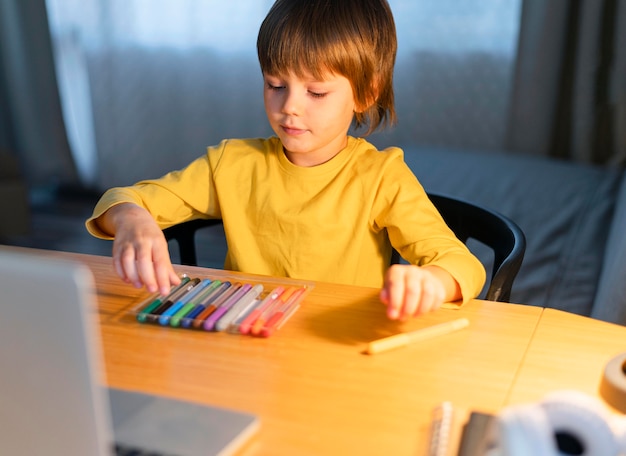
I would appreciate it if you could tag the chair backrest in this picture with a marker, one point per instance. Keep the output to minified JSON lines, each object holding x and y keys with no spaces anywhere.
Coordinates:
{"x":184,"y":234}
{"x":494,"y":230}
{"x":467,"y":220}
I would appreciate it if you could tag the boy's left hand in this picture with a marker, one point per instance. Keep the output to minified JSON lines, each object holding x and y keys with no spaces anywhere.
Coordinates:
{"x":409,"y":290}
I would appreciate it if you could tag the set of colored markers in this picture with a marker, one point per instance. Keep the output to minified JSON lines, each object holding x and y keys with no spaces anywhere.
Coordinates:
{"x":223,"y":305}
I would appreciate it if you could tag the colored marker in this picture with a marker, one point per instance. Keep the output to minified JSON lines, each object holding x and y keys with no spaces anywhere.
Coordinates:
{"x":154,"y":315}
{"x":267,"y":313}
{"x":206,"y":313}
{"x":233,"y":328}
{"x":242,"y":305}
{"x":282,"y":314}
{"x":191,"y":316}
{"x":191,"y":304}
{"x":248,"y":321}
{"x":164,"y":319}
{"x":141,"y":316}
{"x":209,"y":324}
{"x":244,"y":314}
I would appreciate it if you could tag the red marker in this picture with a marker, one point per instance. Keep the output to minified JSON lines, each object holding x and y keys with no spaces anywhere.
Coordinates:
{"x":258,"y":325}
{"x":246,"y":324}
{"x":282,"y":314}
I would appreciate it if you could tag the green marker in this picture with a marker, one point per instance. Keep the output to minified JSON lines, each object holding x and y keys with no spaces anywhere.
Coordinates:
{"x":143,"y":314}
{"x":175,"y":320}
{"x":188,"y":307}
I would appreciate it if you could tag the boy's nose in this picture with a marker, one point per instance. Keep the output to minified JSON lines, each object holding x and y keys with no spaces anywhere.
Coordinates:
{"x":291,"y":103}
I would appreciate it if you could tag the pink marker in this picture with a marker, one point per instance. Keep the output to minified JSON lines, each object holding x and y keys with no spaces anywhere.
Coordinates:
{"x":246,"y":324}
{"x":269,"y":311}
{"x":282,"y":314}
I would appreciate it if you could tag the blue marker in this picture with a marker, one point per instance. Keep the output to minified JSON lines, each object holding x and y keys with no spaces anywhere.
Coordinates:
{"x":192,"y":303}
{"x":191,"y":316}
{"x":164,"y":318}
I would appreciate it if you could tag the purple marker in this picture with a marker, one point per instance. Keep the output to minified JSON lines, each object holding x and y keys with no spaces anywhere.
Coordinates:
{"x":209,"y":324}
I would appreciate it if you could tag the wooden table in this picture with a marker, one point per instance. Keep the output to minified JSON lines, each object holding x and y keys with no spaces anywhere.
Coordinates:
{"x":317,"y":393}
{"x":567,"y":351}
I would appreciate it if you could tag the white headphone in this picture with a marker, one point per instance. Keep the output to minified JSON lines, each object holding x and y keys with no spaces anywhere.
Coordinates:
{"x":563,"y":423}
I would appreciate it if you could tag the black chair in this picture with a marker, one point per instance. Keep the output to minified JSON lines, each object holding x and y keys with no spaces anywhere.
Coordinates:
{"x":184,"y":234}
{"x":494,"y":230}
{"x":467,"y":220}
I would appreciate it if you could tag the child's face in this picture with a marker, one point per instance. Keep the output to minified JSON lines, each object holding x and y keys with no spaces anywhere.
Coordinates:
{"x":310,"y":117}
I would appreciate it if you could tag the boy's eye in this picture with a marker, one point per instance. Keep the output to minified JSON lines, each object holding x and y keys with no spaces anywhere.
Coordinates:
{"x":274,"y":87}
{"x":317,"y":94}
{"x":277,"y":86}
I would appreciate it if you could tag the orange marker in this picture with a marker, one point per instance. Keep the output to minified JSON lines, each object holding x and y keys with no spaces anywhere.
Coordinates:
{"x":199,"y":321}
{"x":246,"y":324}
{"x":267,"y":313}
{"x":282,"y":314}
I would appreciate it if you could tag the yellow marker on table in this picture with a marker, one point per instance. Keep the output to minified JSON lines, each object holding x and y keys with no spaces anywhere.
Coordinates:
{"x":401,"y":340}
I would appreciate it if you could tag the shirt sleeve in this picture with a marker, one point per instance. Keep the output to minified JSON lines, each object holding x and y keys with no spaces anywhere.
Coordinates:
{"x":419,"y":233}
{"x":172,"y":199}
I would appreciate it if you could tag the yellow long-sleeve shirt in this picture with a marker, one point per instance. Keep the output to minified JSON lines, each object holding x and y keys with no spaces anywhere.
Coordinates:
{"x":333,"y":222}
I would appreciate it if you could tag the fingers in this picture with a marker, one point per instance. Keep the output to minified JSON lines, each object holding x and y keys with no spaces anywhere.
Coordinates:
{"x":140,"y":253}
{"x":164,"y":272}
{"x":411,"y":291}
{"x":145,"y":264}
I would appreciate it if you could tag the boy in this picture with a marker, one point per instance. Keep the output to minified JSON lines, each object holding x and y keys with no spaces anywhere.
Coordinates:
{"x":313,"y":202}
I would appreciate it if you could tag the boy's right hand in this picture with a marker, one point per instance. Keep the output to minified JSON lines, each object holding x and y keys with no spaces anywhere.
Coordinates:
{"x":140,"y":253}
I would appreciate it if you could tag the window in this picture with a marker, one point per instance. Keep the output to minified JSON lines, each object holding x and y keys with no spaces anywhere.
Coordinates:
{"x":156,"y":81}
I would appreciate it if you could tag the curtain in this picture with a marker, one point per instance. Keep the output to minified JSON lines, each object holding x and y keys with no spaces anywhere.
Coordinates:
{"x":148,"y":84}
{"x":166,"y":78}
{"x":31,"y":123}
{"x":569,"y":91}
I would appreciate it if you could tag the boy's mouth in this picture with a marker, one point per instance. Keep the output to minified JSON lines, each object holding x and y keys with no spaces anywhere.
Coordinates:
{"x":292,"y":131}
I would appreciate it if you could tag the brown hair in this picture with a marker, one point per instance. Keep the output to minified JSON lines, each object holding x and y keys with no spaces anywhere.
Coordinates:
{"x":353,"y":38}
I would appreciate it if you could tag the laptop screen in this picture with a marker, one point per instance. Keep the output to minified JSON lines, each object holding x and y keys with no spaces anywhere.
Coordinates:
{"x":52,"y":400}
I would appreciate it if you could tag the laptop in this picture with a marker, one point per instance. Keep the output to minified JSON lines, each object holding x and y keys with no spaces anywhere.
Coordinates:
{"x":52,"y":399}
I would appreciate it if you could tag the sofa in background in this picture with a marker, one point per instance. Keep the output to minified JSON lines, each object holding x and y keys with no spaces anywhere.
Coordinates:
{"x":573,"y":216}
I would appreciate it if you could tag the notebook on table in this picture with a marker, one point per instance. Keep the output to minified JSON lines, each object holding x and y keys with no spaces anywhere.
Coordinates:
{"x":51,"y":399}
